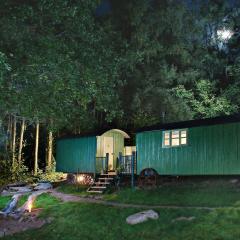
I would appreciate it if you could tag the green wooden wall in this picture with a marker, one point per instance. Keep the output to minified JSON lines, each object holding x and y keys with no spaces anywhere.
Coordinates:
{"x":76,"y":153}
{"x":211,"y":150}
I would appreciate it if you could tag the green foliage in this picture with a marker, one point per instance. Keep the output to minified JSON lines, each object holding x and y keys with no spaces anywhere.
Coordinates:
{"x":205,"y":101}
{"x":72,"y":70}
{"x":19,"y":172}
{"x":67,"y":64}
{"x":50,"y":176}
{"x":9,"y":172}
{"x":146,"y":62}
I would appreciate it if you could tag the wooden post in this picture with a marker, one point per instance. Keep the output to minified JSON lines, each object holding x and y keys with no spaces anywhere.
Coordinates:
{"x":14,"y":140}
{"x":107,"y":158}
{"x":77,"y":179}
{"x":21,"y":141}
{"x":132,"y":169}
{"x":36,"y":149}
{"x":120,"y":161}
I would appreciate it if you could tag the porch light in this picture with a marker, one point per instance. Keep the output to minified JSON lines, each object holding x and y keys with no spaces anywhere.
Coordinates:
{"x":80,"y":178}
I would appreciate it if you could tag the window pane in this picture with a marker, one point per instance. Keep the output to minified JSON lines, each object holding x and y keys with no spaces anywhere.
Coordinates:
{"x":175,"y":134}
{"x":183,"y":133}
{"x":166,"y":135}
{"x":183,"y":140}
{"x":175,"y":141}
{"x":166,"y":142}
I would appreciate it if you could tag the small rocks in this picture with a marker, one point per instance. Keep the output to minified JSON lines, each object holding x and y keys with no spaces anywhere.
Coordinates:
{"x":16,"y":189}
{"x":233,"y":181}
{"x":96,"y":197}
{"x":20,"y":189}
{"x":43,"y":186}
{"x":49,"y":220}
{"x":184,"y":219}
{"x":142,"y":217}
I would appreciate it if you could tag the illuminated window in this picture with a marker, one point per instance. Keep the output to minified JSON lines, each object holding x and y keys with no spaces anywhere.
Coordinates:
{"x":173,"y":138}
{"x":166,"y":139}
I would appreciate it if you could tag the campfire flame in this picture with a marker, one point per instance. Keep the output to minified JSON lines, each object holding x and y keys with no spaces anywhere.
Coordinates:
{"x":30,"y":207}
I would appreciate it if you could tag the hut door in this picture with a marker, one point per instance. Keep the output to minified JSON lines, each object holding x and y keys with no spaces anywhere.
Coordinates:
{"x":108,"y":148}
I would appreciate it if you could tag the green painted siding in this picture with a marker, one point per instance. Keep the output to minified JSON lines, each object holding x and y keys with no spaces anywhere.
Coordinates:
{"x":211,"y":150}
{"x":76,"y":154}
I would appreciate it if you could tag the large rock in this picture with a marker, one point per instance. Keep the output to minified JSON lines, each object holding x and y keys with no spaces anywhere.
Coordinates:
{"x":20,"y":189}
{"x":2,"y":233}
{"x":43,"y":186}
{"x":142,"y":217}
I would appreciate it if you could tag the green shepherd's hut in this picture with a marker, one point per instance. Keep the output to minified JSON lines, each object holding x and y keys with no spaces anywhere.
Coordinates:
{"x":197,"y":147}
{"x":90,"y":154}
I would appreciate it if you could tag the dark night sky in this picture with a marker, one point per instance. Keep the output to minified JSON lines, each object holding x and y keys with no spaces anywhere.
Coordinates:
{"x":105,"y":6}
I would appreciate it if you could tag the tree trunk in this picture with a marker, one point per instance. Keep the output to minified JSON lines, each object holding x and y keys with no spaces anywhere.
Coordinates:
{"x":21,"y":141}
{"x":10,"y":132}
{"x":36,"y":149}
{"x":14,"y":140}
{"x":49,"y":150}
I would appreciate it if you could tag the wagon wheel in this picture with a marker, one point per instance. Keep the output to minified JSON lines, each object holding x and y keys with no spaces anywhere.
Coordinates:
{"x":147,"y":178}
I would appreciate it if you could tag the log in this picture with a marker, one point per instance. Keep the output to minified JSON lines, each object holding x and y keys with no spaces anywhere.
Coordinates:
{"x":27,"y":206}
{"x":11,"y":206}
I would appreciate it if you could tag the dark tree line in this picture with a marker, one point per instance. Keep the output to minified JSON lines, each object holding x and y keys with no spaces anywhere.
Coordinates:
{"x":69,"y":66}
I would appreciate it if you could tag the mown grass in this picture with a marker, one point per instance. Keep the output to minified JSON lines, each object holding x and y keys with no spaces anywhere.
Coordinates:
{"x":91,"y":221}
{"x":207,"y":194}
{"x":94,"y":221}
{"x":42,"y":201}
{"x":79,"y":190}
{"x":3,"y":201}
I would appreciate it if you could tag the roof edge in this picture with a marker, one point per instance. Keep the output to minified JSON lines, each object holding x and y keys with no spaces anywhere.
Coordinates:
{"x":192,"y":123}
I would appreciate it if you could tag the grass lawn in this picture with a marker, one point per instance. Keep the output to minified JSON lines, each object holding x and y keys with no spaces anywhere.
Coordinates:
{"x":208,"y":194}
{"x":91,"y":221}
{"x":94,"y":221}
{"x":73,"y":189}
{"x":41,"y":202}
{"x":3,"y":201}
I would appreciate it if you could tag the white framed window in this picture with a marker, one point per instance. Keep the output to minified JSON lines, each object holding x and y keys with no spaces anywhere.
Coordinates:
{"x":174,"y":138}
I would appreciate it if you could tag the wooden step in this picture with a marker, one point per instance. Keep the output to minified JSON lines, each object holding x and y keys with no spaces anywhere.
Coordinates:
{"x":109,"y":174}
{"x":105,"y":178}
{"x":102,"y":187}
{"x":102,"y":183}
{"x":94,"y":191}
{"x":112,"y":173}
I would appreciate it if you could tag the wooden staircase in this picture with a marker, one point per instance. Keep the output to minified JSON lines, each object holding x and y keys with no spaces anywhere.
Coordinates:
{"x":102,"y":183}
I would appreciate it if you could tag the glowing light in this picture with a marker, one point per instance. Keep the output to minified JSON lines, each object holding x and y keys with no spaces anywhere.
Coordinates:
{"x":29,"y":207}
{"x":83,"y":179}
{"x":80,"y":178}
{"x":224,"y":34}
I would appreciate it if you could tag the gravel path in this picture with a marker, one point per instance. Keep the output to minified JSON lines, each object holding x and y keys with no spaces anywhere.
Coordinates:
{"x":73,"y":198}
